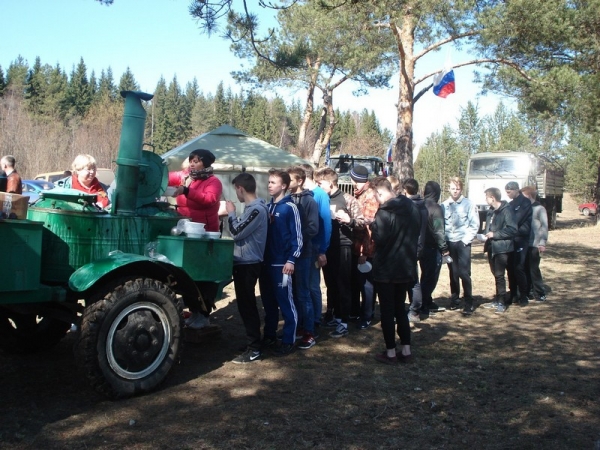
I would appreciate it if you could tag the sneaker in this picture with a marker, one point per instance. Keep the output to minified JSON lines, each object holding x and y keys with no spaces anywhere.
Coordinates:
{"x":468,"y":310}
{"x":364,"y":324}
{"x":268,"y":342}
{"x":454,"y":305}
{"x":247,"y":357}
{"x":307,"y":342}
{"x":285,"y":350}
{"x":491,"y":305}
{"x":354,"y":318}
{"x":333,"y":323}
{"x":524,"y":301}
{"x":199,"y":322}
{"x":189,"y":317}
{"x":541,"y":299}
{"x":385,"y":359}
{"x":340,"y":331}
{"x":328,"y":316}
{"x":434,"y":308}
{"x":501,"y":308}
{"x":530,"y":296}
{"x":413,"y":317}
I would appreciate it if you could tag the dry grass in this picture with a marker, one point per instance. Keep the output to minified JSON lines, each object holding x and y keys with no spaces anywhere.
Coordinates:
{"x":526,"y":379}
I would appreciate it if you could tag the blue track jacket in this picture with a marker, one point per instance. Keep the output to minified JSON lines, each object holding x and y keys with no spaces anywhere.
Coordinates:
{"x":284,"y":236}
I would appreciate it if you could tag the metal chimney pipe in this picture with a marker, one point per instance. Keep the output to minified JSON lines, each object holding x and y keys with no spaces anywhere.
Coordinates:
{"x":124,"y":199}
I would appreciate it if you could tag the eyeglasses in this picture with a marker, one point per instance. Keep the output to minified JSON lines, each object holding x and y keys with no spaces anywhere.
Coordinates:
{"x":88,"y":170}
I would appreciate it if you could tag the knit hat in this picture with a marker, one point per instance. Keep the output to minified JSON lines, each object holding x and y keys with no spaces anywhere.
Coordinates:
{"x":360,"y":174}
{"x":512,"y":186}
{"x":203,"y":155}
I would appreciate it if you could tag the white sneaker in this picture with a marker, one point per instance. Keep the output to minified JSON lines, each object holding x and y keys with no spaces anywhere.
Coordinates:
{"x":199,"y":322}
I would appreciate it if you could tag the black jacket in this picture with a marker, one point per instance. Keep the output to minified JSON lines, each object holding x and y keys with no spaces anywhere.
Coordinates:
{"x":395,"y":232}
{"x":435,"y":236}
{"x":502,"y":222}
{"x":522,"y":209}
{"x":420,"y":204}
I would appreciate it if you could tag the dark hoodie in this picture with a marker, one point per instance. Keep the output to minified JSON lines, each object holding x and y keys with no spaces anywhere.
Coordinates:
{"x":420,"y":204}
{"x":395,"y":232}
{"x":309,"y":215}
{"x":435,"y":236}
{"x":502,"y":222}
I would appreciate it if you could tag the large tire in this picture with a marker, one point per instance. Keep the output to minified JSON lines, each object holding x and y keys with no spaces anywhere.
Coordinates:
{"x":131,"y":338}
{"x":29,"y":333}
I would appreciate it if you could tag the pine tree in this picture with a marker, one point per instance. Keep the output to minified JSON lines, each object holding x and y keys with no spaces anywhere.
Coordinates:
{"x":79,"y":95}
{"x":106,"y":85}
{"x":2,"y":82}
{"x":35,"y":87}
{"x":127,"y":82}
{"x":16,"y":75}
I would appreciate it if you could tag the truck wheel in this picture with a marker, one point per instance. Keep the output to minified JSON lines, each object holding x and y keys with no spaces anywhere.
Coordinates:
{"x":586,"y":211}
{"x":29,"y":333}
{"x":131,"y":338}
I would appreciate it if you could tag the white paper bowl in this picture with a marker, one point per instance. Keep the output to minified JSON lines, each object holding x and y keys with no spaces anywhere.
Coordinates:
{"x":212,"y":235}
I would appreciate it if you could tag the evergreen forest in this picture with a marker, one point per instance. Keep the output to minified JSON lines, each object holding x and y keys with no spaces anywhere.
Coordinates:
{"x":48,"y":116}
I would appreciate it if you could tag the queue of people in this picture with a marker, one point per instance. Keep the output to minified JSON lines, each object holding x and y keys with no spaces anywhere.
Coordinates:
{"x":378,"y":239}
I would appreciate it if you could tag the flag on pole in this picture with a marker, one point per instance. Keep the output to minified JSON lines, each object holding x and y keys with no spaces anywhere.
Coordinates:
{"x":443,"y":83}
{"x":327,"y":154}
{"x":388,"y":156}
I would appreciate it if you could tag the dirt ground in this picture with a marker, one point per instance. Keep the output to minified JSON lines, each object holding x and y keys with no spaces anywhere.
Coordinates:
{"x":528,"y":379}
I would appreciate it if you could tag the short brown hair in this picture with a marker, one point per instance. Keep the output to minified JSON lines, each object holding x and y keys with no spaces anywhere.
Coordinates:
{"x":328,"y":174}
{"x":529,"y":191}
{"x":283,"y":175}
{"x":297,"y":172}
{"x":308,"y":170}
{"x":382,"y":182}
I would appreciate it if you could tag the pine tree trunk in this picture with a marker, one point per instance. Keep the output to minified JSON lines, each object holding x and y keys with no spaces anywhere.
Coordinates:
{"x":323,"y":137}
{"x":308,"y":111}
{"x":403,"y":148}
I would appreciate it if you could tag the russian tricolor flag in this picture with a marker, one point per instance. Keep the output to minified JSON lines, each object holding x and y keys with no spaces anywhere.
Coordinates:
{"x":443,"y":83}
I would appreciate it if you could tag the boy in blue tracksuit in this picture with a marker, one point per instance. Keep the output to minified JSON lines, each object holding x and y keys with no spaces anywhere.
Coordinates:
{"x":284,"y":246}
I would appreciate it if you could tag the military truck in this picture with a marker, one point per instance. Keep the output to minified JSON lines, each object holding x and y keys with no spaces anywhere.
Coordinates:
{"x":119,"y":275}
{"x":342,"y":164}
{"x":486,"y":170}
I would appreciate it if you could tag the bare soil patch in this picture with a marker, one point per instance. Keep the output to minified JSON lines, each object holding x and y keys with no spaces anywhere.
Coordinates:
{"x":527,"y":379}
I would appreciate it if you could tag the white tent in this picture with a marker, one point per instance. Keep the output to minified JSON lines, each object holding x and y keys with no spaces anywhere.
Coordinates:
{"x":235,"y":152}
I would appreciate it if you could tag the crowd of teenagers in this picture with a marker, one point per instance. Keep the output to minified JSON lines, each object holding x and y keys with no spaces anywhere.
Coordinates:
{"x":385,"y":241}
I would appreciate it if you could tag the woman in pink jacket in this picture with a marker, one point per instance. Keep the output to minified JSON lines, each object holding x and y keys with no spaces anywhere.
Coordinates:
{"x":200,"y":199}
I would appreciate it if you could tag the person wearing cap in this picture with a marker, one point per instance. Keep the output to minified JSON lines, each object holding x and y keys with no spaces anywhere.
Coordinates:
{"x":517,"y":276}
{"x":395,"y":232}
{"x":362,"y":247}
{"x":461,"y":221}
{"x":200,"y":198}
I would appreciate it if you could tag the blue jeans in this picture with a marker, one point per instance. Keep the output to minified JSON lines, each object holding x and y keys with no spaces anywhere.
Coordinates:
{"x":302,"y":297}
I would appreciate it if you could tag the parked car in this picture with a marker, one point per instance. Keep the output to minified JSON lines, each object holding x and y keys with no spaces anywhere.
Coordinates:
{"x":588,"y":208}
{"x":32,"y":189}
{"x":105,"y":176}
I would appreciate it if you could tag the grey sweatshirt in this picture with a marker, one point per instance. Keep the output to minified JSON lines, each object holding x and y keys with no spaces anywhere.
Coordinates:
{"x":539,"y":226}
{"x":249,"y":232}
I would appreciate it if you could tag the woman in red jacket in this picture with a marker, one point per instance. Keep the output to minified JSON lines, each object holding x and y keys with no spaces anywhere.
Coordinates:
{"x":200,"y":199}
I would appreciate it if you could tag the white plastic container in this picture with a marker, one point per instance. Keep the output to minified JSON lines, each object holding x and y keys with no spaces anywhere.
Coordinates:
{"x":194,"y":229}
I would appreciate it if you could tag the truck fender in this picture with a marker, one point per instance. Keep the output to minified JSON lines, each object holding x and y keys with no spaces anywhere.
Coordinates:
{"x":125,"y":264}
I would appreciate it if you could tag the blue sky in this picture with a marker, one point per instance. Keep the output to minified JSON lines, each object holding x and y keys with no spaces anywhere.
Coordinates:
{"x":157,"y":38}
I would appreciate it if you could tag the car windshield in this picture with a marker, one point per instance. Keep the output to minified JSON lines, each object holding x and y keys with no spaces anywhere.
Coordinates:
{"x":498,"y":166}
{"x":343,"y":165}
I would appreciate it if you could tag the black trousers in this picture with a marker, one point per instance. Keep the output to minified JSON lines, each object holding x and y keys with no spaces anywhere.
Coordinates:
{"x":337,"y":274}
{"x":245,"y":277}
{"x":460,"y":270}
{"x":498,"y":265}
{"x":391,"y":305}
{"x":532,"y":267}
{"x":517,"y":275}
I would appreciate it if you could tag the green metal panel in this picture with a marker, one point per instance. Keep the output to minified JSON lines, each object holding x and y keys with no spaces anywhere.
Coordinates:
{"x":20,"y":259}
{"x":87,"y":275}
{"x":74,"y":239}
{"x":202,"y":259}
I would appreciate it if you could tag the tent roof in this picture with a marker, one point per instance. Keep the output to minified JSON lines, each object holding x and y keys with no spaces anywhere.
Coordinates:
{"x":234,"y":149}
